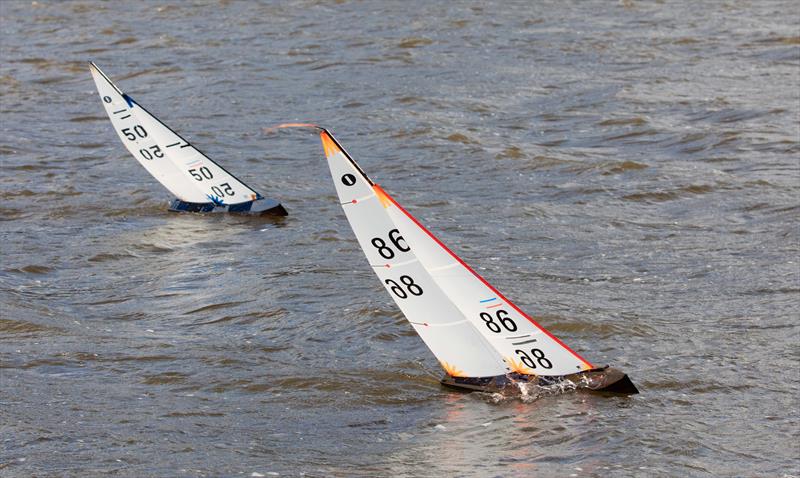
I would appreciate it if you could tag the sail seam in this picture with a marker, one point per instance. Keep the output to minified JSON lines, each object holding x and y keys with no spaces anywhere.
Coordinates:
{"x":447,"y":324}
{"x":442,"y":268}
{"x":399,"y":264}
{"x":358,"y":200}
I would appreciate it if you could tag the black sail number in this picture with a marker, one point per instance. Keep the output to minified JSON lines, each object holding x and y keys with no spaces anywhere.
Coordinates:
{"x":503,"y":319}
{"x":133,"y":133}
{"x":538,"y":357}
{"x":151,"y":152}
{"x":199,"y":174}
{"x":222,"y":190}
{"x":410,"y":286}
{"x":383,"y":250}
{"x":396,"y":239}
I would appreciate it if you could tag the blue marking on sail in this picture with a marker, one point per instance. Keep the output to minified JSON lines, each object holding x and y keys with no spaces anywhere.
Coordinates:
{"x":488,"y":300}
{"x":217,"y":201}
{"x":128,"y":99}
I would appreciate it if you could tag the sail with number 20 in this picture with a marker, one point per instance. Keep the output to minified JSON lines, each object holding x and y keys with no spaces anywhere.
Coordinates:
{"x":482,"y":340}
{"x":198,"y":183}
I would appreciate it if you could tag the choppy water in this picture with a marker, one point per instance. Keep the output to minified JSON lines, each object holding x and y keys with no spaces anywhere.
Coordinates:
{"x":628,"y":172}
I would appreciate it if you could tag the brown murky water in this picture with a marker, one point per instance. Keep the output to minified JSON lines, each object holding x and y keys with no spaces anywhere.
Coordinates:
{"x":628,"y":172}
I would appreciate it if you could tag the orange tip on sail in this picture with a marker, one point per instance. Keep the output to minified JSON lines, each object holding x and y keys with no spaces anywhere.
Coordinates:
{"x":330,"y":147}
{"x":382,"y":196}
{"x":452,"y":370}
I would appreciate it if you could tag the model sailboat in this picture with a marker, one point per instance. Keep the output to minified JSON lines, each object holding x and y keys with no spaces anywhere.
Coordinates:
{"x":198,"y":183}
{"x":482,"y":340}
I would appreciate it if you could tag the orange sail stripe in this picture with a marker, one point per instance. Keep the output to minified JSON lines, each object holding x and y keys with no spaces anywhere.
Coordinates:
{"x":499,"y":295}
{"x":452,"y":370}
{"x":328,"y":144}
{"x":518,"y":367}
{"x":382,"y":196}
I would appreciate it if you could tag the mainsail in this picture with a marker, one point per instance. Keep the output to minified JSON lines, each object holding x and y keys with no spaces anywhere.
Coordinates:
{"x":188,"y":174}
{"x":472,"y":328}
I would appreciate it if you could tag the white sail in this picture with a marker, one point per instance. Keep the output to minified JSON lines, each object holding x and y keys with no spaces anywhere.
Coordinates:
{"x":526,"y":347}
{"x":392,"y":238}
{"x":455,"y":342}
{"x":174,"y":162}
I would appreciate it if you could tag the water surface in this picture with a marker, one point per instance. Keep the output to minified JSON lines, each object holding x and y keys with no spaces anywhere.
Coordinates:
{"x":626,"y":172}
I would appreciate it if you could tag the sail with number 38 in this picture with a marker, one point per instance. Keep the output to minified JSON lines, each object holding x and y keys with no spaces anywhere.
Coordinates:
{"x":482,"y":340}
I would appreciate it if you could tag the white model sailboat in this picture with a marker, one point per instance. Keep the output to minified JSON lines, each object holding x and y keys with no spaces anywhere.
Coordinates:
{"x":198,"y":183}
{"x":482,"y":340}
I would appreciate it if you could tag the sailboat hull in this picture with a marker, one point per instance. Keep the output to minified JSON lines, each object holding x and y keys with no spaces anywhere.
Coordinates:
{"x":259,"y":207}
{"x":607,"y":380}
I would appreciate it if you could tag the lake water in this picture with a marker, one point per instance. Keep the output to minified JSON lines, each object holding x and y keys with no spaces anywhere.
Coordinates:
{"x":627,"y":172}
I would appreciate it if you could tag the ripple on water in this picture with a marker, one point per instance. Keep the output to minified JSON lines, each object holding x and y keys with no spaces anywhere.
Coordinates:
{"x":87,"y":119}
{"x":165,"y":378}
{"x":20,"y":327}
{"x":414,"y":42}
{"x":670,"y":195}
{"x":110,"y":256}
{"x":31,"y":269}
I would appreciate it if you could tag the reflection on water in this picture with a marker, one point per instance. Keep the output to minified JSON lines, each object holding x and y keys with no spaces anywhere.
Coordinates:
{"x":626,"y":172}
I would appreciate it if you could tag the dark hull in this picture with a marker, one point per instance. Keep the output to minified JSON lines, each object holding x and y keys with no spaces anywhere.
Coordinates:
{"x":608,"y":380}
{"x":259,"y":207}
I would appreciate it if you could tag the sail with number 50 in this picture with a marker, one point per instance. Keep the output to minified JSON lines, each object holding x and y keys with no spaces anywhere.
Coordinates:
{"x":482,"y":339}
{"x":198,"y":183}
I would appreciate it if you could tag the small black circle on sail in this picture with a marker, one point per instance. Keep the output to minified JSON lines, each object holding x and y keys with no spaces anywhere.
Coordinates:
{"x":348,"y":179}
{"x":107,"y":99}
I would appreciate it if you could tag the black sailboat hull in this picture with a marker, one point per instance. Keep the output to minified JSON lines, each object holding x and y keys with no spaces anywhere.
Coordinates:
{"x":606,"y":379}
{"x":259,"y":207}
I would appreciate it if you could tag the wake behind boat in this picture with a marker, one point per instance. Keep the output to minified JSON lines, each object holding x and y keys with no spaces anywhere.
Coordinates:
{"x":199,"y":184}
{"x":482,"y":340}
